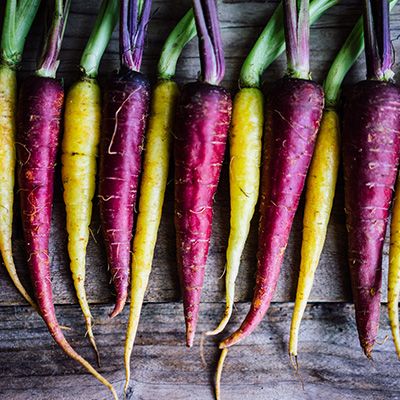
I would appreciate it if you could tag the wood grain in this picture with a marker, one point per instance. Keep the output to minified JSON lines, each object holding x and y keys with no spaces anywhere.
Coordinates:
{"x":331,"y":364}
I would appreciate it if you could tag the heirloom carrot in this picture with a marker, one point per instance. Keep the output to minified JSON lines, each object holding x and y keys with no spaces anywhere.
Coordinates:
{"x":126,"y":104}
{"x":18,"y":19}
{"x":157,"y":152}
{"x":82,"y":124}
{"x":201,"y":128}
{"x":293,"y":113}
{"x":321,"y":180}
{"x":245,"y":136}
{"x":39,"y":119}
{"x":371,"y":146}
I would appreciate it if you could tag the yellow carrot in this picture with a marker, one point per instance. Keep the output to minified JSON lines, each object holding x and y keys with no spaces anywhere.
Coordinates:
{"x":394,"y":270}
{"x":157,"y":152}
{"x":152,"y":189}
{"x":82,"y":126}
{"x":320,"y":191}
{"x":321,"y":181}
{"x":8,"y":102}
{"x":244,"y":178}
{"x":82,"y":121}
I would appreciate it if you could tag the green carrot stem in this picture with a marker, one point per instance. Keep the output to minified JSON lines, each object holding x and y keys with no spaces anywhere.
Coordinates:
{"x":18,"y":20}
{"x":104,"y":25}
{"x":183,"y":32}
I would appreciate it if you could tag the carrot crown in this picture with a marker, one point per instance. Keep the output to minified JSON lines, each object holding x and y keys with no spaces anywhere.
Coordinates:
{"x":377,"y":40}
{"x":57,"y":14}
{"x":134,"y":18}
{"x":18,"y":19}
{"x":183,"y":32}
{"x":103,"y":28}
{"x":297,"y":33}
{"x":271,"y":43}
{"x":210,"y":41}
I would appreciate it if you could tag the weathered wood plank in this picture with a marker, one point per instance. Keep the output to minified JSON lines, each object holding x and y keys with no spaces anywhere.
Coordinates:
{"x":331,"y":363}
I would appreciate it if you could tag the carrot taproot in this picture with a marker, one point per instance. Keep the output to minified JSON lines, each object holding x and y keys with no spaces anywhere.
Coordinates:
{"x":293,"y":113}
{"x":321,"y":180}
{"x":82,"y":125}
{"x":17,"y":22}
{"x":158,"y":147}
{"x":38,"y":130}
{"x":126,"y":104}
{"x":371,"y":146}
{"x":393,"y":288}
{"x":201,"y":128}
{"x":245,"y":144}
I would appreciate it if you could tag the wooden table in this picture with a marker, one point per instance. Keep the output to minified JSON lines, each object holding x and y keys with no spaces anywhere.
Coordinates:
{"x":331,"y":362}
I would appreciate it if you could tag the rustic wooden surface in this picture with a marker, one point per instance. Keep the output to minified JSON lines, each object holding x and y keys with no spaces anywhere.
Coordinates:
{"x":332,"y":366}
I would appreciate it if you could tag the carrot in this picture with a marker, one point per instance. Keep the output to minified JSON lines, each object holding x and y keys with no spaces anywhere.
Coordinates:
{"x":17,"y":22}
{"x":321,"y":181}
{"x":39,"y":119}
{"x":293,"y":112}
{"x":371,"y":145}
{"x":201,"y":128}
{"x":245,"y":144}
{"x":158,"y":147}
{"x":126,"y":104}
{"x":82,"y":124}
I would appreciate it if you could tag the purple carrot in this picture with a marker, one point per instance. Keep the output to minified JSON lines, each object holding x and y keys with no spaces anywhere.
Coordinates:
{"x":202,"y":122}
{"x":371,"y":146}
{"x":126,"y":103}
{"x":293,"y":113}
{"x":38,"y":130}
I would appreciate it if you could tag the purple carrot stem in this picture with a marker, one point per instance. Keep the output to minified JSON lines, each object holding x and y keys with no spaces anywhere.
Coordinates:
{"x":47,"y":62}
{"x":210,"y":42}
{"x":304,"y":36}
{"x":297,"y":32}
{"x":377,"y":39}
{"x":133,"y":28}
{"x":290,"y":18}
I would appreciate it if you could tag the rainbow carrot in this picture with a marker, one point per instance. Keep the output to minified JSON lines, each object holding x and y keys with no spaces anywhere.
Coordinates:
{"x":126,"y":104}
{"x":39,"y":120}
{"x":82,"y":124}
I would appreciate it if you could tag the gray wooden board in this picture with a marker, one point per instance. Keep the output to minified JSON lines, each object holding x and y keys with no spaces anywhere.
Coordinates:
{"x":32,"y":367}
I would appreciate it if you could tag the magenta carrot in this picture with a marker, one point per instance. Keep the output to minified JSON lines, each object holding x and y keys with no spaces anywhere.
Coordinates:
{"x":126,"y":104}
{"x":293,"y":113}
{"x":371,"y":145}
{"x":38,"y":131}
{"x":202,"y":122}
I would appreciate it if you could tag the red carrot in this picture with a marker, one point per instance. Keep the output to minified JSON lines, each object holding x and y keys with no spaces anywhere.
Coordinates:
{"x":294,"y":109}
{"x":126,"y":103}
{"x":38,"y":129}
{"x":371,"y":146}
{"x":202,"y":122}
